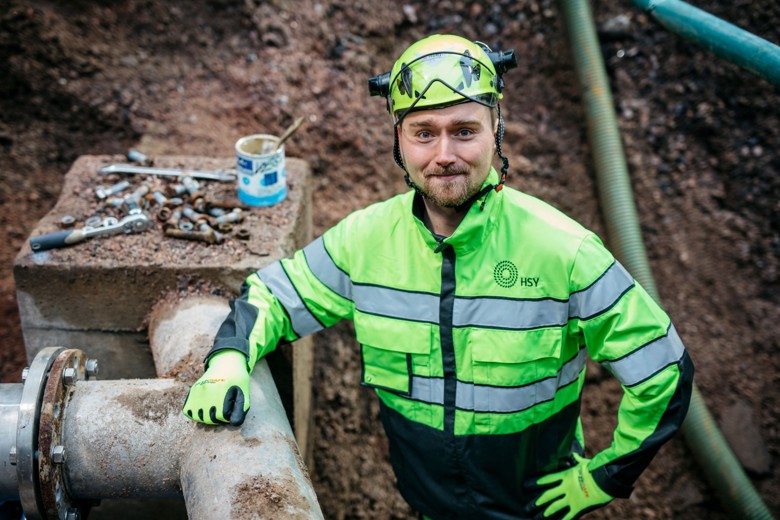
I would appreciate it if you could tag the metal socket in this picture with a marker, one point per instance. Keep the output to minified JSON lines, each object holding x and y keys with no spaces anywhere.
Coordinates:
{"x":67,"y":221}
{"x":164,"y":214}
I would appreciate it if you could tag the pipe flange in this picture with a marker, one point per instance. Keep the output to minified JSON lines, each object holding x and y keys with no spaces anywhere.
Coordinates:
{"x":68,"y":369}
{"x":27,"y":431}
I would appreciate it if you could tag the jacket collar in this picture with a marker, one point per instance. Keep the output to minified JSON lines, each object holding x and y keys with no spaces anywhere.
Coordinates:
{"x":473,"y":229}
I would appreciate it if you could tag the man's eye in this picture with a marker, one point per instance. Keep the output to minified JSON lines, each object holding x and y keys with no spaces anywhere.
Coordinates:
{"x":465,"y":132}
{"x":424,"y":134}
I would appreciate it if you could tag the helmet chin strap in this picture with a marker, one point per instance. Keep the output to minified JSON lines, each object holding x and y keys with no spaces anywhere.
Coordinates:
{"x":504,"y":160}
{"x":400,"y":162}
{"x":484,"y":191}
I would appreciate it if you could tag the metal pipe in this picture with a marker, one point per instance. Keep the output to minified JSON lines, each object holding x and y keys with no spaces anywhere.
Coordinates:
{"x":129,"y":439}
{"x":10,"y":396}
{"x":78,"y":440}
{"x":724,"y":472}
{"x":250,"y":472}
{"x":181,"y":333}
{"x":125,"y":438}
{"x":89,"y":440}
{"x":728,"y":41}
{"x":261,"y":471}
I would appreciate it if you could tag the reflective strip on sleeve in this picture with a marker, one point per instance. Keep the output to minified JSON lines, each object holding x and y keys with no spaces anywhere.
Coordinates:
{"x":302,"y":320}
{"x":509,"y":314}
{"x":497,"y":399}
{"x":602,"y":294}
{"x":325,"y":269}
{"x":647,"y":360}
{"x":403,"y":305}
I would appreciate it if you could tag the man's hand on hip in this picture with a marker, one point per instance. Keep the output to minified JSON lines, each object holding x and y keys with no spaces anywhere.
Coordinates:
{"x":221,"y":395}
{"x":567,"y":494}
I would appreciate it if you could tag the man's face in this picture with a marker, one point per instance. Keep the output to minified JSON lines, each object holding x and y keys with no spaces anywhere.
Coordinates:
{"x":448,"y":151}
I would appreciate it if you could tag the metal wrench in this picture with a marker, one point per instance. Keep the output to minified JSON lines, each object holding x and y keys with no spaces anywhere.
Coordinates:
{"x":132,"y":223}
{"x":212,"y":175}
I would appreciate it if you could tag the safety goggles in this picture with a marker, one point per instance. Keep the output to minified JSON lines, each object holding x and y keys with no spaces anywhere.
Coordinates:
{"x":441,"y":79}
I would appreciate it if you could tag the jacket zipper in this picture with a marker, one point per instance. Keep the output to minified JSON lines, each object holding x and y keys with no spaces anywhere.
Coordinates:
{"x":446,"y":306}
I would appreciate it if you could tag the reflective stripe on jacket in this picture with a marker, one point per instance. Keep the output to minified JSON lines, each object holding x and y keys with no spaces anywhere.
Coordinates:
{"x":476,"y":345}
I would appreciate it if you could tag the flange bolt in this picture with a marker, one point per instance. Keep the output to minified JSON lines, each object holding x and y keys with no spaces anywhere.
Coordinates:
{"x":25,"y":373}
{"x":12,"y":456}
{"x":69,"y":376}
{"x":91,"y":368}
{"x":58,"y":454}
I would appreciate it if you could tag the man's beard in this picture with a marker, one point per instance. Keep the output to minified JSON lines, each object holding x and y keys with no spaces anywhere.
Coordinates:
{"x":449,"y":194}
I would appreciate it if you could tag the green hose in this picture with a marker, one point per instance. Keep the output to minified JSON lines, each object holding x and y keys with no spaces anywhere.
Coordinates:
{"x":704,"y":439}
{"x":728,"y":41}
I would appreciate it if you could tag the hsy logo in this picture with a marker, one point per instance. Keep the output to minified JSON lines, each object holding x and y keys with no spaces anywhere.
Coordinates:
{"x":505,"y":274}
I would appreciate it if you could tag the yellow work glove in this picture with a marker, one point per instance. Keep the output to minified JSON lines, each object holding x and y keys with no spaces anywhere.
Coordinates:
{"x":221,"y":395}
{"x":568,"y":494}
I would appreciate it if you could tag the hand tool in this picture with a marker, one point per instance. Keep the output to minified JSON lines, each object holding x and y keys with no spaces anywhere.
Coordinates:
{"x":212,"y":175}
{"x":132,"y":223}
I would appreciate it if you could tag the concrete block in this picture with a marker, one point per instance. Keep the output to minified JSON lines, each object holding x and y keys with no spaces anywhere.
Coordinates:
{"x":96,"y":295}
{"x":111,"y":283}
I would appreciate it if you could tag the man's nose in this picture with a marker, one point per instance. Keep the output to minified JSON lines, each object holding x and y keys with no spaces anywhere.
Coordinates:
{"x":445,"y":151}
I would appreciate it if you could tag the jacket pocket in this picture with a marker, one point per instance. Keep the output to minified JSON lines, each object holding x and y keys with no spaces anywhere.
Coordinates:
{"x":514,"y":358}
{"x":513,"y":372}
{"x":389,"y":349}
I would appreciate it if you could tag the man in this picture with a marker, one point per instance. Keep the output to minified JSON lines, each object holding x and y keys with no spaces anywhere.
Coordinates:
{"x":475,"y":308}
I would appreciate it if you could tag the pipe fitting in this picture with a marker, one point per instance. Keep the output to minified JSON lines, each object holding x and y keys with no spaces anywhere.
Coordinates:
{"x":236,"y":215}
{"x":190,"y":185}
{"x":163,"y":454}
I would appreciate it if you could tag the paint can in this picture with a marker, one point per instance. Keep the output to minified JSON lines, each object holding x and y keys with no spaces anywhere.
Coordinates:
{"x":262,"y":179}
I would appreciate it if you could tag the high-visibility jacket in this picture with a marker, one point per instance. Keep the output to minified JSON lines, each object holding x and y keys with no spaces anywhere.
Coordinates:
{"x":476,"y":345}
